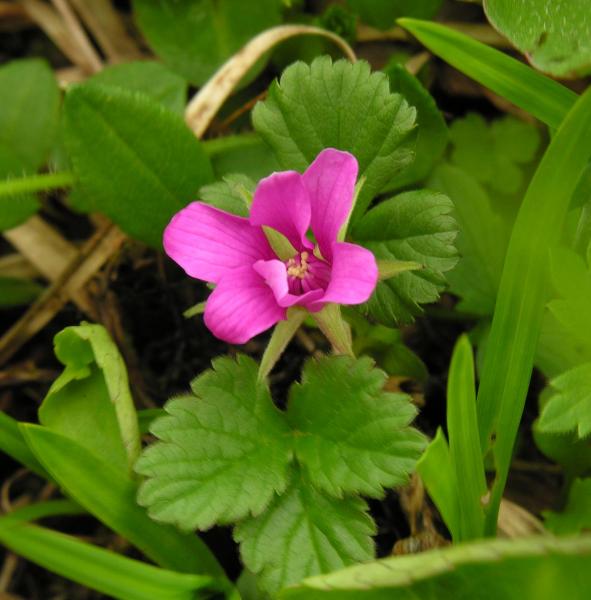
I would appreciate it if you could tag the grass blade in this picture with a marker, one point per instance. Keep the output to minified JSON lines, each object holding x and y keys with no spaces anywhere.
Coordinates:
{"x":522,"y":291}
{"x":99,"y":569}
{"x":13,"y":444}
{"x":539,"y":95}
{"x":464,"y":445}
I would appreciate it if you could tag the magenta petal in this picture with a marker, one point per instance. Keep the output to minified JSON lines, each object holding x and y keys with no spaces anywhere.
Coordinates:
{"x":208,"y":242}
{"x":330,"y":180}
{"x":241,"y":306}
{"x":281,"y":201}
{"x":353,"y":277}
{"x":275,"y":274}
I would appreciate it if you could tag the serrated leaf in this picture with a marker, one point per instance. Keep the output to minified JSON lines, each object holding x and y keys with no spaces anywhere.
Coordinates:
{"x":570,"y":408}
{"x":536,"y":568}
{"x":432,"y":134}
{"x":576,"y":515}
{"x":93,"y":388}
{"x":413,"y":226}
{"x":233,"y":194}
{"x":194,"y":37}
{"x":136,"y":162}
{"x":226,"y":442}
{"x":555,"y":36}
{"x":338,"y":105}
{"x":148,"y":77}
{"x":350,"y":435}
{"x":303,"y":532}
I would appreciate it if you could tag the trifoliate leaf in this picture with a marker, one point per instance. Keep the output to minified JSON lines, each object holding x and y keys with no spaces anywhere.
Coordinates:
{"x":576,"y":516}
{"x":136,"y":162}
{"x":233,"y":194}
{"x":338,"y":105}
{"x":414,"y":226}
{"x":351,"y":436}
{"x":303,"y":532}
{"x":570,"y":408}
{"x":223,"y":451}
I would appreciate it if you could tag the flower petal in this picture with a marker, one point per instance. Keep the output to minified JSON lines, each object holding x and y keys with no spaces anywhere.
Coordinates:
{"x":275,"y":274}
{"x":207,"y":242}
{"x":241,"y":306}
{"x":281,"y":201}
{"x":330,"y":180}
{"x":353,"y":277}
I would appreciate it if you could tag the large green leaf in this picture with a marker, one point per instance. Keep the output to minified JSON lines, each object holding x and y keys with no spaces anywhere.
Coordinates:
{"x":136,"y":162}
{"x":539,"y":568}
{"x":520,"y":302}
{"x":110,"y":496}
{"x":555,"y":36}
{"x":194,"y":37}
{"x":303,"y":533}
{"x":96,"y":568}
{"x":351,"y":436}
{"x":93,"y":389}
{"x":413,"y":226}
{"x":542,"y":97}
{"x":576,"y":515}
{"x":148,"y":77}
{"x":338,"y":105}
{"x":226,"y":442}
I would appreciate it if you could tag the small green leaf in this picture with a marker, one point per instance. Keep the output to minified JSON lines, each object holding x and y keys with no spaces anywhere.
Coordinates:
{"x":383,"y":13}
{"x":149,"y":77}
{"x":351,"y":436}
{"x":536,"y":568}
{"x":576,"y":515}
{"x":338,"y":105}
{"x":227,"y":441}
{"x":93,"y":389}
{"x":555,"y":36}
{"x":136,"y":162}
{"x":413,"y":226}
{"x":13,"y":444}
{"x":15,"y":291}
{"x":96,"y":568}
{"x":194,"y":37}
{"x":432,"y":132}
{"x":570,"y":408}
{"x":110,"y":496}
{"x":233,"y":194}
{"x":303,"y":533}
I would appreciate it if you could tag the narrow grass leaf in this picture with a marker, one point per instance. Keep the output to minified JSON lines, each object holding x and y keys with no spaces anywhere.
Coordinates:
{"x":13,"y":444}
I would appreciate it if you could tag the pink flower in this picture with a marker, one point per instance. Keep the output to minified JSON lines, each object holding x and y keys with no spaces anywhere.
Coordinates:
{"x":254,"y":288}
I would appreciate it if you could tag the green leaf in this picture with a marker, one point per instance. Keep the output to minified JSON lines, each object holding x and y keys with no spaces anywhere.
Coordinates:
{"x":432,"y":131}
{"x":233,"y":194}
{"x":149,"y":77}
{"x":538,"y":568}
{"x":13,"y":444}
{"x":338,"y":105}
{"x":439,"y":476}
{"x":303,"y":533}
{"x":97,"y":568}
{"x":542,"y":97}
{"x":464,"y":445}
{"x":226,"y":441}
{"x":413,"y":226}
{"x":570,"y":408}
{"x":350,"y":435}
{"x":136,"y":162}
{"x":576,"y":515}
{"x":194,"y":37}
{"x":93,"y":389}
{"x":110,"y":496}
{"x":29,"y":97}
{"x":383,"y":13}
{"x":481,"y":242}
{"x":520,"y":302}
{"x":16,"y":292}
{"x":555,"y":36}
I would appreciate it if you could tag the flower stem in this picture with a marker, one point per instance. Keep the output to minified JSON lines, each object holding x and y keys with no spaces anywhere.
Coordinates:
{"x":36,"y":183}
{"x":335,"y":328}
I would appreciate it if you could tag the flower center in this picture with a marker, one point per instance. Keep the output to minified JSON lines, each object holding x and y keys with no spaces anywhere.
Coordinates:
{"x":306,"y":272}
{"x":298,"y":266}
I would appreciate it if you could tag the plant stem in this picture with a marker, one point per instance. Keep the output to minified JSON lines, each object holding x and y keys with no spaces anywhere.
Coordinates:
{"x":36,"y":183}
